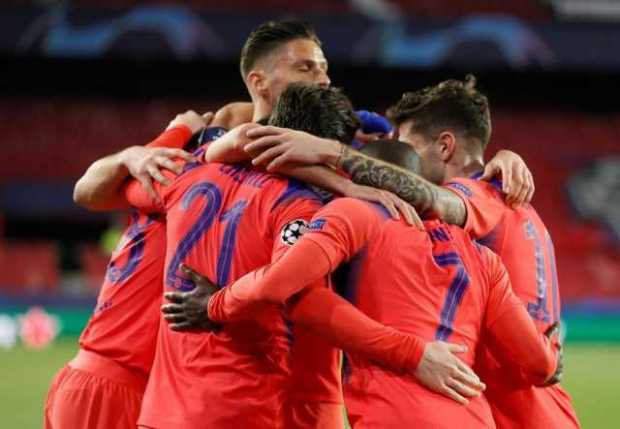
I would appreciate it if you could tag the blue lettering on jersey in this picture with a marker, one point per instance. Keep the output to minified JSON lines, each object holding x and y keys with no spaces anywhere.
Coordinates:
{"x":233,"y":217}
{"x":538,"y":310}
{"x":316,"y":225}
{"x":213,"y":203}
{"x":439,"y":234}
{"x":460,"y":187}
{"x":134,"y":239}
{"x":454,"y":296}
{"x":245,"y":175}
{"x":554,"y":278}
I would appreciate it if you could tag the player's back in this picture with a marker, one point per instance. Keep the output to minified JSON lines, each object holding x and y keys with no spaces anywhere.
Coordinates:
{"x":130,"y":296}
{"x":523,"y":243}
{"x":125,"y":319}
{"x":225,"y":221}
{"x":430,"y":284}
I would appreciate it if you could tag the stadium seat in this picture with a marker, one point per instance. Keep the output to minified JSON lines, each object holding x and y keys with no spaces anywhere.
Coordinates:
{"x":29,"y":267}
{"x":94,"y":265}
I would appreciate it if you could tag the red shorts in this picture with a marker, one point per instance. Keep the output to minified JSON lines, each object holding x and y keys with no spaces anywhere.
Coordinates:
{"x":93,"y":392}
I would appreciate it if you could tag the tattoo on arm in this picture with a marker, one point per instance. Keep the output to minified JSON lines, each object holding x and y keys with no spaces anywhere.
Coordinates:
{"x":430,"y":200}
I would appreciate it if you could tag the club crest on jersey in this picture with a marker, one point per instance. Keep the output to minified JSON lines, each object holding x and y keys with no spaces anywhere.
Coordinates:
{"x":293,"y":231}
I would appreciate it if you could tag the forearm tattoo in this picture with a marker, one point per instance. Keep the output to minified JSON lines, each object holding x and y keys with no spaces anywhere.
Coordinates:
{"x":428,"y":199}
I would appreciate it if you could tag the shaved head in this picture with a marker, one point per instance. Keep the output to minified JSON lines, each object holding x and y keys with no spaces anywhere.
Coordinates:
{"x":395,"y":152}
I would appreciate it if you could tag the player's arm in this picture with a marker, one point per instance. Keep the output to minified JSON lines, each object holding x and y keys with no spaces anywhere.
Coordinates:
{"x":98,"y":189}
{"x":279,"y":146}
{"x":434,"y":364}
{"x":336,"y":232}
{"x":512,"y":334}
{"x":230,"y":148}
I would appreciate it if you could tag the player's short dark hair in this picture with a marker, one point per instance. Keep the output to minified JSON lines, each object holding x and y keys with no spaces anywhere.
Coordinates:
{"x":451,"y":104}
{"x":323,"y":112}
{"x":395,"y":152}
{"x":270,"y":36}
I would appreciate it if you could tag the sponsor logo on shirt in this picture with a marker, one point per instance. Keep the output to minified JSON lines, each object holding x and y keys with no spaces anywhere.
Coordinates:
{"x":460,"y":187}
{"x":316,"y":225}
{"x":293,"y":231}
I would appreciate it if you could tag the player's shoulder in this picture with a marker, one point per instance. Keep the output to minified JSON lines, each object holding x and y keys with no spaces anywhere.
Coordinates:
{"x":354,"y":207}
{"x":285,"y":191}
{"x":233,"y":114}
{"x":473,"y":186}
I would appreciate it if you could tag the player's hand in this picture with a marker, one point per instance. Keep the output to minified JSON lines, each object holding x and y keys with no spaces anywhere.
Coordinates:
{"x":188,"y":310}
{"x":278,"y":146}
{"x":517,"y":180}
{"x":553,"y":333}
{"x":145,"y":163}
{"x":191,"y":120}
{"x":442,"y":372}
{"x":392,"y":203}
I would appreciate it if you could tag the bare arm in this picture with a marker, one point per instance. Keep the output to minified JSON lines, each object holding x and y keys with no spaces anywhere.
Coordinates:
{"x":230,"y":148}
{"x":98,"y":189}
{"x":279,"y":146}
{"x":430,"y":200}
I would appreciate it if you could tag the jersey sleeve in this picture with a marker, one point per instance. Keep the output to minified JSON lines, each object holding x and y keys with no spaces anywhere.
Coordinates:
{"x":512,"y":333}
{"x":273,"y":283}
{"x":175,"y":138}
{"x":137,"y":197}
{"x":342,"y":228}
{"x":484,"y":207}
{"x":290,"y":220}
{"x":339,"y":322}
{"x":319,"y":251}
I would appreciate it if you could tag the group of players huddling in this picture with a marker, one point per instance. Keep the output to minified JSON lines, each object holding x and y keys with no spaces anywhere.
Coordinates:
{"x":278,"y":245}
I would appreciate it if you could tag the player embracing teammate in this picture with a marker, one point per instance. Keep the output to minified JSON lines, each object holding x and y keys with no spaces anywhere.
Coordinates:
{"x":107,"y":378}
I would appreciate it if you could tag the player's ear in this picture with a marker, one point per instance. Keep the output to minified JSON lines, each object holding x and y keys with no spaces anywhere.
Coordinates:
{"x":257,"y":83}
{"x":447,"y":145}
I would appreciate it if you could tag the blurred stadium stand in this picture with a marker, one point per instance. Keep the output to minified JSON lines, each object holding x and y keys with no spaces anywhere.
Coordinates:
{"x":81,"y":79}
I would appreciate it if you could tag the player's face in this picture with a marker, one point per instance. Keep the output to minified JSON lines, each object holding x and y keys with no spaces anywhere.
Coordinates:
{"x":432,"y":168}
{"x":300,"y":60}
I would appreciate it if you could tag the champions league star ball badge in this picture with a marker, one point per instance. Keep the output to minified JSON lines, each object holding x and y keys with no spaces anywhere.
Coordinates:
{"x":293,"y":231}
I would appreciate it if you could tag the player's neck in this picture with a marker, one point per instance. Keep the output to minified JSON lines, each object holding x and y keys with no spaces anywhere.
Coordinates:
{"x":466,"y":166}
{"x":262,"y":109}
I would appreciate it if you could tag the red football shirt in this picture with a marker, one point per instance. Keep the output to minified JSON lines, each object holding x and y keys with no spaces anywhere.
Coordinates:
{"x":437,"y":285}
{"x":524,"y":245}
{"x":125,"y":321}
{"x":223,"y":221}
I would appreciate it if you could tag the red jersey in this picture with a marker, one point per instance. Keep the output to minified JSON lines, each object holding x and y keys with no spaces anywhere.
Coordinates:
{"x":524,"y":245}
{"x":223,"y":221}
{"x":437,"y":285}
{"x":125,"y":321}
